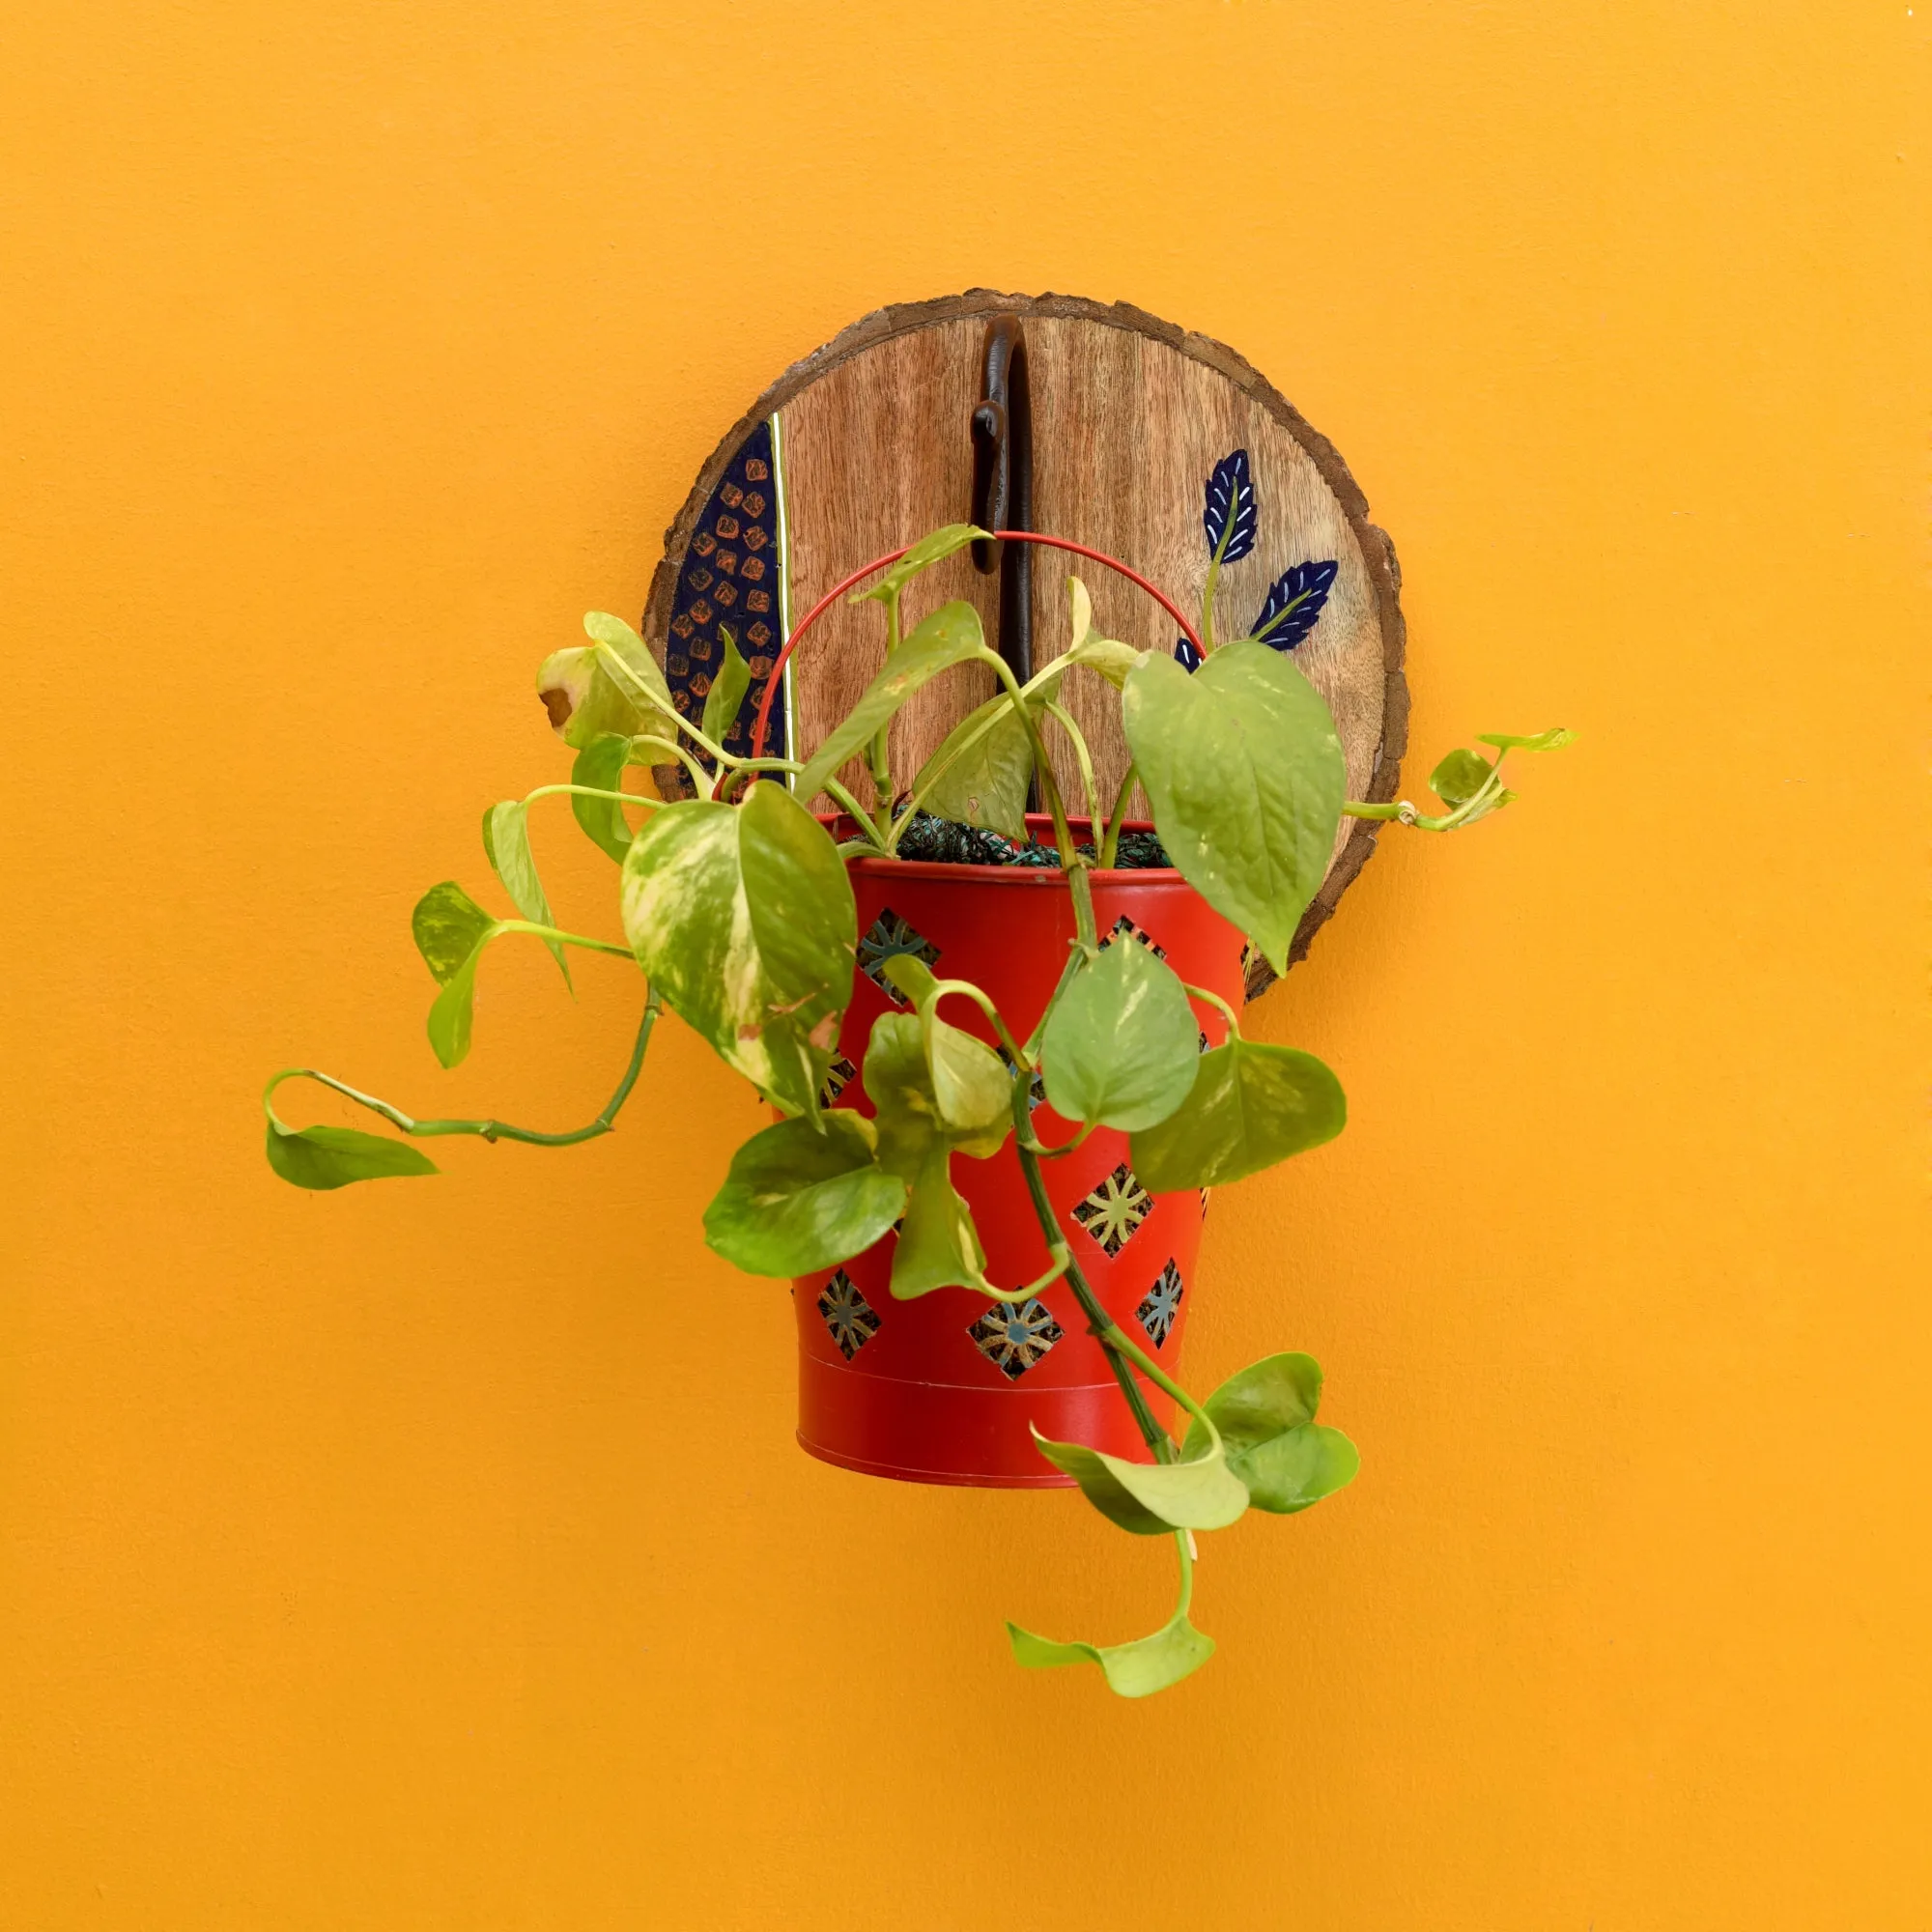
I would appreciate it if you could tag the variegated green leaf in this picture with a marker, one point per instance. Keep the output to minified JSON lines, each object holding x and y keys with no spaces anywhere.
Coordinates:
{"x":612,"y":684}
{"x":506,"y":844}
{"x":797,"y":1198}
{"x":742,"y":915}
{"x":447,"y":923}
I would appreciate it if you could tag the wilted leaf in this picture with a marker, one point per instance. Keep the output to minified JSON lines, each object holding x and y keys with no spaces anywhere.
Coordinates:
{"x":611,"y":685}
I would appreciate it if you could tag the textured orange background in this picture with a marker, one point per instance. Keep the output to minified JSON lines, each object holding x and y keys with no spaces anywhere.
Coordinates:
{"x":436,"y":1554}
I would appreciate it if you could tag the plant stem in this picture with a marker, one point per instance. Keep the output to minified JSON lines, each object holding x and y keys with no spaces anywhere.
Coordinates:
{"x":1111,"y":847}
{"x":1099,"y":1323}
{"x":489,"y":1130}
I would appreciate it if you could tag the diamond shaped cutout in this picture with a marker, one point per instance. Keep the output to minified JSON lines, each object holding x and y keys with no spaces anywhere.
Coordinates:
{"x":1161,"y":1308}
{"x":1114,"y":1209}
{"x":1126,"y":929}
{"x":838,"y":1077}
{"x":1014,"y":1335}
{"x":889,"y":937}
{"x":850,"y":1319}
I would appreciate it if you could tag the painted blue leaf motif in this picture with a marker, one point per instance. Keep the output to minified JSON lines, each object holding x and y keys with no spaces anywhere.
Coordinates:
{"x":1190,"y":658}
{"x":1229,"y":508}
{"x":1291,"y":607}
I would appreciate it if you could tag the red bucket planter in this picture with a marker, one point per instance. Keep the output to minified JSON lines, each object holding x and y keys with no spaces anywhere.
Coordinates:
{"x":941,"y":1389}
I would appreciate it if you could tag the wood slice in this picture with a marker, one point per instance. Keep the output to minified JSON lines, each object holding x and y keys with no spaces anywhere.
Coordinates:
{"x":865,"y":447}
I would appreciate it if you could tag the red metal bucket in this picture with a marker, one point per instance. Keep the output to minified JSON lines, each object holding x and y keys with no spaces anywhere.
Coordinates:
{"x":941,"y":1389}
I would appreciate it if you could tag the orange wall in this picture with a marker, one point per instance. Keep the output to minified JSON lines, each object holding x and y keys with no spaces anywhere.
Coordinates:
{"x":358,"y":1563}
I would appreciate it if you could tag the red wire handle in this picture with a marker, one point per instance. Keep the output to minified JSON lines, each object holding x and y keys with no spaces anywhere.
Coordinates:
{"x":839,"y":591}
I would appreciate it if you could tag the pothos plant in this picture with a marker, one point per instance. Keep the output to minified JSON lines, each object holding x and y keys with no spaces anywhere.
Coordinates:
{"x":736,"y":905}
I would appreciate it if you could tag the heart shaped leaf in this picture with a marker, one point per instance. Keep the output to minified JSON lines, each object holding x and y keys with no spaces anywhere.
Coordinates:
{"x":1266,"y":1414}
{"x":1133,"y":1669}
{"x":950,"y":636}
{"x":1120,"y":1044}
{"x":985,"y":766}
{"x":1250,"y":1106}
{"x":1244,"y":770}
{"x":797,"y":1200}
{"x":1458,"y":778}
{"x":1151,"y":1498}
{"x":447,"y":923}
{"x":327,"y":1157}
{"x":742,"y":915}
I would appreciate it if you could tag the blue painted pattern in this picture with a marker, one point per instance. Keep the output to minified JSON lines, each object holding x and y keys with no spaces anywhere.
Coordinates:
{"x":731,"y":581}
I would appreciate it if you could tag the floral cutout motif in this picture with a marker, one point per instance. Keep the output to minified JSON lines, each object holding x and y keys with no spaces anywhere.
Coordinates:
{"x":838,"y":1077}
{"x":849,"y":1317}
{"x":891,"y":937}
{"x":1161,"y":1308}
{"x":1114,"y":1209}
{"x":1124,"y":928}
{"x":1014,"y":1335}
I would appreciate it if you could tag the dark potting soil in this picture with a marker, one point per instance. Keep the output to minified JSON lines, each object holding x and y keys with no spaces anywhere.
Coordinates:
{"x":941,"y":841}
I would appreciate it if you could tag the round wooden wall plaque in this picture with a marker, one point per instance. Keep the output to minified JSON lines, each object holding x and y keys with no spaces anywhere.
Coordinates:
{"x":868,"y":445}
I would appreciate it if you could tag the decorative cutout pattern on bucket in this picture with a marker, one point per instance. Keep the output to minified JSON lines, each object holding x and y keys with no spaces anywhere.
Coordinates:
{"x":1157,"y":1313}
{"x":1126,"y":929}
{"x":838,"y":1077}
{"x":1014,"y":1336}
{"x":851,"y":1319}
{"x":1114,"y":1209}
{"x":891,"y":937}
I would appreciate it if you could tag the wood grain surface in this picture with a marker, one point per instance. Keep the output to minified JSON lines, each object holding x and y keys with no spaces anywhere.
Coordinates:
{"x":1130,"y":416}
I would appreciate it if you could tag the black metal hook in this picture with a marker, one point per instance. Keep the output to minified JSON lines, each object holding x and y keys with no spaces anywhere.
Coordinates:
{"x":1003,"y":485}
